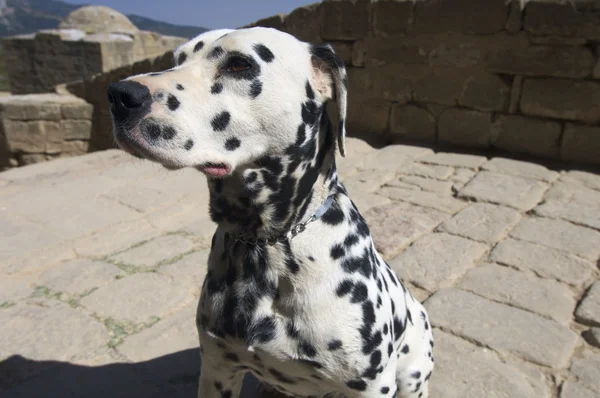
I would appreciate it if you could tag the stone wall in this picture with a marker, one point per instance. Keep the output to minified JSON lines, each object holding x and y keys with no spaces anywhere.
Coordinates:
{"x":35,"y":128}
{"x":520,"y":76}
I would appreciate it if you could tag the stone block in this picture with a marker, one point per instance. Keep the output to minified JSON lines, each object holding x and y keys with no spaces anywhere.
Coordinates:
{"x":454,"y":160}
{"x":571,"y":389}
{"x":596,"y":71}
{"x":77,"y":111}
{"x":31,"y":107}
{"x":275,"y":22}
{"x":514,"y":22}
{"x":412,"y":123}
{"x":25,"y":136}
{"x":392,"y":17}
{"x":443,"y":188}
{"x":397,"y":225}
{"x":515,"y":94}
{"x":446,"y":204}
{"x":516,"y":192}
{"x":440,"y":86}
{"x":482,"y":222}
{"x":562,"y":99}
{"x":465,"y":16}
{"x":305,"y":23}
{"x":572,"y":202}
{"x":590,"y":180}
{"x":368,"y":118}
{"x":581,"y":144}
{"x":545,"y":261}
{"x":503,"y":328}
{"x":155,"y":252}
{"x":74,"y":148}
{"x":561,"y":235}
{"x":465,"y":128}
{"x":428,"y":170}
{"x":546,"y":297}
{"x":358,"y":53}
{"x":524,"y":135}
{"x":346,"y":19}
{"x":76,"y":129}
{"x":25,"y":159}
{"x":538,"y":60}
{"x":520,"y":169}
{"x":343,"y":51}
{"x":586,"y":368}
{"x":365,"y":201}
{"x":391,"y":82}
{"x":77,"y":277}
{"x":544,"y":18}
{"x":592,"y":336}
{"x":437,"y":260}
{"x":485,"y":92}
{"x":589,"y":308}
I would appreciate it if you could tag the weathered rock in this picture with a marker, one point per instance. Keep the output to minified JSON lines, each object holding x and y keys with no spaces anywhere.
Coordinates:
{"x":454,"y":160}
{"x":395,"y":226}
{"x":428,"y":170}
{"x":572,"y":202}
{"x":581,"y":144}
{"x":346,"y":20}
{"x":517,"y":192}
{"x":275,"y":22}
{"x":520,"y":169}
{"x":368,"y":118}
{"x":389,"y":82}
{"x":439,"y":16}
{"x":358,"y":53}
{"x":592,"y":336}
{"x":410,"y":122}
{"x":587,"y":179}
{"x":482,"y":222}
{"x":561,"y":19}
{"x":391,"y":18}
{"x":485,"y":92}
{"x":544,"y":261}
{"x":465,"y":128}
{"x":518,"y":134}
{"x":154,"y":252}
{"x":74,"y":148}
{"x":76,"y":129}
{"x":589,"y":309}
{"x":15,"y":288}
{"x":440,"y":86}
{"x":515,"y":91}
{"x":445,"y":204}
{"x":79,"y":276}
{"x":81,"y":110}
{"x":503,"y":328}
{"x":28,"y":136}
{"x":98,"y":19}
{"x":138,"y":298}
{"x":542,"y":296}
{"x":572,"y":389}
{"x":437,"y":260}
{"x":587,"y":370}
{"x":482,"y":373}
{"x":561,"y":235}
{"x":31,"y":107}
{"x":562,"y":99}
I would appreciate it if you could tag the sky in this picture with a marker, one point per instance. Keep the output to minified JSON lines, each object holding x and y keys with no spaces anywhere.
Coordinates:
{"x":212,"y":14}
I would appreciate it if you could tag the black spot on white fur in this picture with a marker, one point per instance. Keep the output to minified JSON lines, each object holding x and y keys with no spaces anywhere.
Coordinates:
{"x":181,"y":58}
{"x":216,"y":88}
{"x":188,"y":144}
{"x":220,"y":122}
{"x":232,"y":144}
{"x":264,"y":53}
{"x":255,"y":88}
{"x":216,"y":52}
{"x":198,"y":46}
{"x":172,"y":102}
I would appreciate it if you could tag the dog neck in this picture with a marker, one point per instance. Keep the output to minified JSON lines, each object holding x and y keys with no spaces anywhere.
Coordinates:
{"x":275,"y":193}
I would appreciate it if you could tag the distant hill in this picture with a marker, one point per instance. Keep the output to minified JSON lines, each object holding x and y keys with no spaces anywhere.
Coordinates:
{"x":28,"y":16}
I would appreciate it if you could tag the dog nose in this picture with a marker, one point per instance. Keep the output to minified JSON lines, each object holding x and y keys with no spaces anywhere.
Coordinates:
{"x":129,"y":99}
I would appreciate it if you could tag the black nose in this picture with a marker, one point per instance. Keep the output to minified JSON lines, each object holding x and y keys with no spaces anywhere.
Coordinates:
{"x":129,"y":99}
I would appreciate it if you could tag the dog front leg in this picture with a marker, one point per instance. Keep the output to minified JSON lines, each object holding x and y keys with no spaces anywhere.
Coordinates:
{"x":219,"y":383}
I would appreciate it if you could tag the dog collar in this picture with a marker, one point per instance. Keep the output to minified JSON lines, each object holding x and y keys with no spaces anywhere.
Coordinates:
{"x":295,"y":230}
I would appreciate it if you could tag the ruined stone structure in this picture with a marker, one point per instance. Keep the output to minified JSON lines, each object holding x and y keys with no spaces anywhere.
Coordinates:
{"x":89,"y":41}
{"x":521,"y":77}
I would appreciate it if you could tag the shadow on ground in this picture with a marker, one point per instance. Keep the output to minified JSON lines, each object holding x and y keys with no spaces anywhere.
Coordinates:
{"x":173,"y":375}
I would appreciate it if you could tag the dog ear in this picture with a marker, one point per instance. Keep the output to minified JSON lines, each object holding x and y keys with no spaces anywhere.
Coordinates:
{"x":331,"y":79}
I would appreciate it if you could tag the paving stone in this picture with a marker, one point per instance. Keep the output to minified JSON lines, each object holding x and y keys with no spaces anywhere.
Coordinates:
{"x":365,"y":201}
{"x":542,"y":296}
{"x":368,"y":180}
{"x":572,"y":202}
{"x":559,"y":234}
{"x":394,"y":157}
{"x":590,"y":180}
{"x":481,"y":374}
{"x":482,"y":222}
{"x":593,"y":336}
{"x":356,"y":146}
{"x":395,"y":226}
{"x":425,"y":184}
{"x":36,"y":258}
{"x":454,"y":160}
{"x":191,"y":269}
{"x":587,"y":369}
{"x":576,"y":390}
{"x":13,"y":288}
{"x":463,"y":175}
{"x":155,"y":251}
{"x":428,"y":170}
{"x":437,"y":260}
{"x":520,"y":169}
{"x":138,"y":298}
{"x":141,"y":197}
{"x":502,"y":328}
{"x":79,"y":276}
{"x":517,"y":192}
{"x":48,"y":330}
{"x":446,"y":204}
{"x":544,"y":261}
{"x":589,"y":308}
{"x":115,"y":238}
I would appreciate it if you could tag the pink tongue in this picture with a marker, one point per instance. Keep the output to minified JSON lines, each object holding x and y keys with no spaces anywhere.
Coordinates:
{"x":215,"y":171}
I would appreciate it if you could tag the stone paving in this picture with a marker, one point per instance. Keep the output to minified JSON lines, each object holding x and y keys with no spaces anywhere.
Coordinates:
{"x":102,"y":258}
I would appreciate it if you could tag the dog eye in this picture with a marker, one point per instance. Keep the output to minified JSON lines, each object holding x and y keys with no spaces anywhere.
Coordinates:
{"x":237,"y":65}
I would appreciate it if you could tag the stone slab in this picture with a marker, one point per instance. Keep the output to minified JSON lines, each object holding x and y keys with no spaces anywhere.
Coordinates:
{"x":428,"y":170}
{"x":546,"y":297}
{"x":559,"y":234}
{"x":76,"y":277}
{"x":572,"y":202}
{"x":586,"y":368}
{"x":517,"y":192}
{"x":572,"y":389}
{"x":589,"y":308}
{"x":138,"y":298}
{"x":581,"y":144}
{"x":437,"y":260}
{"x":454,"y":160}
{"x":520,"y":169}
{"x":443,"y":188}
{"x":590,"y":180}
{"x":368,"y":180}
{"x":189,"y":270}
{"x":365,"y":201}
{"x":154,"y":252}
{"x":542,"y":260}
{"x":502,"y":328}
{"x":14,"y":288}
{"x":481,"y":374}
{"x":446,"y":204}
{"x":482,"y":222}
{"x":395,"y":226}
{"x":394,"y":157}
{"x":465,"y":128}
{"x":592,"y":336}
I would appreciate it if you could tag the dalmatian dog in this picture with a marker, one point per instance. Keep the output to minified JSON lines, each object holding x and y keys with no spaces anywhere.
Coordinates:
{"x":295,"y":291}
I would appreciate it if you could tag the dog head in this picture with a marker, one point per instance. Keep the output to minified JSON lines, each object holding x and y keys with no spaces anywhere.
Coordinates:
{"x":233,"y":97}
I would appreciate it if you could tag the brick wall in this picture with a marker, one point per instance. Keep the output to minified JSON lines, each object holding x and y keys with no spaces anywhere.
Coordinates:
{"x":517,"y":76}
